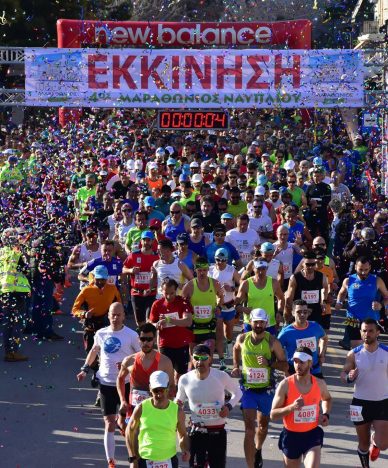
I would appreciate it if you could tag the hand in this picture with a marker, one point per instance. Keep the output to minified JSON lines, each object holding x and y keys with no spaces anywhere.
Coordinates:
{"x":185,"y":456}
{"x":81,"y":375}
{"x":376,"y":305}
{"x":321,"y":359}
{"x":262,"y":361}
{"x":298,"y":403}
{"x":123,"y":407}
{"x":298,"y":238}
{"x":146,"y":292}
{"x":323,"y":420}
{"x":338,"y":306}
{"x":353,"y":374}
{"x":224,"y":412}
{"x":161,"y":324}
{"x":278,"y":317}
{"x":88,"y":314}
{"x":236,"y":372}
{"x":135,"y":270}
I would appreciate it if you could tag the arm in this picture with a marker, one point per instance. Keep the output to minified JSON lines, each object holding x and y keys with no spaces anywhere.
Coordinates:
{"x":187,"y":291}
{"x":183,"y":437}
{"x":133,"y":433}
{"x":342,"y":294}
{"x":322,"y":346}
{"x":153,"y":279}
{"x":90,"y":358}
{"x":384,"y":292}
{"x":186,"y":272}
{"x":236,"y":372}
{"x":278,"y":411}
{"x":326,"y":402}
{"x":77,"y":310}
{"x":290,"y":294}
{"x":281,"y":362}
{"x":120,"y":382}
{"x":247,"y":270}
{"x":186,"y":321}
{"x":83,"y":274}
{"x":280,"y":276}
{"x":165,"y":365}
{"x":280,"y":297}
{"x":349,"y":372}
{"x":325,"y":289}
{"x":73,"y":262}
{"x":241,"y":297}
{"x":219,"y":293}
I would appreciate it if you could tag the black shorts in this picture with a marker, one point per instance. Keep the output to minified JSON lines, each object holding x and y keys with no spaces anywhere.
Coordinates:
{"x":325,"y":321}
{"x":141,"y":306}
{"x":295,"y":444}
{"x":143,"y":463}
{"x":371,"y":410}
{"x":180,"y":358}
{"x":110,"y":399}
{"x":200,"y":338}
{"x":353,"y":333}
{"x":210,"y":447}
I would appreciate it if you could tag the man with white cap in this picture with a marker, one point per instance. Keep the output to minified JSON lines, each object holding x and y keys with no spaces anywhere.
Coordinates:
{"x":204,"y":389}
{"x":260,"y":353}
{"x":297,"y":401}
{"x":154,"y":424}
{"x":243,"y":238}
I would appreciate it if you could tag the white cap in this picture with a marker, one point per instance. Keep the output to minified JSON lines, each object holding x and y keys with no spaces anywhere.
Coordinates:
{"x":170,"y":149}
{"x":138,"y":164}
{"x":260,"y":190}
{"x":229,"y":156}
{"x":130,"y":164}
{"x":266,"y":155}
{"x":304,"y":357}
{"x":159,"y":379}
{"x":160,"y":151}
{"x":259,"y":314}
{"x":289,"y":165}
{"x":204,"y":164}
{"x":196,"y":178}
{"x":152,"y":165}
{"x":194,"y":164}
{"x":260,"y":264}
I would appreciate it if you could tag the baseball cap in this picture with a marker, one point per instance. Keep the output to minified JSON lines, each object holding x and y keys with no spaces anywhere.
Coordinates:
{"x":259,"y":314}
{"x":194,"y":164}
{"x":183,"y":238}
{"x":226,"y":216}
{"x":317,"y":161}
{"x":282,"y":172}
{"x":171,"y":162}
{"x":100,"y":272}
{"x":170,"y":149}
{"x":229,"y":156}
{"x":303,"y":356}
{"x":159,"y":379}
{"x":260,"y":264}
{"x":147,"y":235}
{"x":155,"y":223}
{"x":152,"y":165}
{"x":201,"y":349}
{"x":262,"y":179}
{"x":260,"y":190}
{"x":196,"y":222}
{"x":267,"y":247}
{"x":149,"y":201}
{"x":221,"y":253}
{"x":274,"y":189}
{"x":160,"y":152}
{"x":196,"y":178}
{"x":289,"y":165}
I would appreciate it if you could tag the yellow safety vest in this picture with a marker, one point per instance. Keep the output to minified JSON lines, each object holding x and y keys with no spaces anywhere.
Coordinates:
{"x":11,"y":280}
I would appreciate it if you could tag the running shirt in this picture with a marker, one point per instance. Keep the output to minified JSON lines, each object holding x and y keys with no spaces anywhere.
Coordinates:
{"x":204,"y":303}
{"x":168,"y":270}
{"x":198,"y":247}
{"x":306,"y":418}
{"x":255,"y":376}
{"x":224,"y":277}
{"x":244,"y":242}
{"x":263,"y":298}
{"x":361,"y":294}
{"x":292,"y":337}
{"x":372,"y":381}
{"x":85,"y":256}
{"x":114,"y":267}
{"x":140,"y":377}
{"x":172,"y":232}
{"x":261,"y":224}
{"x":286,"y":256}
{"x":140,"y":281}
{"x":114,"y":347}
{"x":311,"y":292}
{"x":273,"y":268}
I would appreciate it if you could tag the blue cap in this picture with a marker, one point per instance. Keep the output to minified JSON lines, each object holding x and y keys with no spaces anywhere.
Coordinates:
{"x":12,"y":159}
{"x":186,"y":168}
{"x":140,"y":174}
{"x":317,"y":161}
{"x":183,"y":178}
{"x":267,"y":247}
{"x":149,"y":201}
{"x":283,"y":190}
{"x":171,"y":162}
{"x":147,"y":235}
{"x":226,"y":216}
{"x":262,"y":179}
{"x":221,"y":253}
{"x":182,"y":238}
{"x":100,"y":272}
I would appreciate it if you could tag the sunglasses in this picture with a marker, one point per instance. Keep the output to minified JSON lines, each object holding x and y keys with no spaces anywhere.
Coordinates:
{"x":219,"y":234}
{"x":198,"y":357}
{"x":126,"y":211}
{"x":175,"y":212}
{"x":220,"y":259}
{"x":302,"y":312}
{"x":310,"y":264}
{"x":319,"y":245}
{"x":146,"y":339}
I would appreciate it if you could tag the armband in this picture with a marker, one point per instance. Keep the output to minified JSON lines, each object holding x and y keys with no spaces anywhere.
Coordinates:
{"x":85,"y":368}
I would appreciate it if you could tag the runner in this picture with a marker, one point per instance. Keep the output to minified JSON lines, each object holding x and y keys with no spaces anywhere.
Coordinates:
{"x":366,"y":367}
{"x":111,"y":344}
{"x":204,"y":389}
{"x":260,"y":353}
{"x":151,"y":438}
{"x":297,"y":401}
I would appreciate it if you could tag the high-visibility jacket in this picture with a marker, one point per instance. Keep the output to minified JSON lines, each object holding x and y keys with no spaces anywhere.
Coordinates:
{"x":12,"y":280}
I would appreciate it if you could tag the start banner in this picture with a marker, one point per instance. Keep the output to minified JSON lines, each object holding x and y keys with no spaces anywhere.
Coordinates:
{"x":215,"y":78}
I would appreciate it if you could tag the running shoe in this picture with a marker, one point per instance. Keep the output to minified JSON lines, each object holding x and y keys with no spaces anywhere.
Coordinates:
{"x":374,"y":452}
{"x":222,"y":364}
{"x":111,"y":463}
{"x":258,"y":459}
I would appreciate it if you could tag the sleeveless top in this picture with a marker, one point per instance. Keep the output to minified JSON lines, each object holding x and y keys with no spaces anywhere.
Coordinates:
{"x":171,"y":231}
{"x":198,"y":247}
{"x":141,"y":376}
{"x":253,"y":375}
{"x":204,"y":303}
{"x":306,"y":418}
{"x":167,"y":270}
{"x":263,"y":298}
{"x":86,"y":255}
{"x":224,"y":276}
{"x":157,"y":432}
{"x":361,"y":294}
{"x":286,"y":256}
{"x":188,"y":260}
{"x":273,"y":268}
{"x":310,"y":291}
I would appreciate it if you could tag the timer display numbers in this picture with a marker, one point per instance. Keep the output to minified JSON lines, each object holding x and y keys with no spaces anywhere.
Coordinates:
{"x":191,"y":120}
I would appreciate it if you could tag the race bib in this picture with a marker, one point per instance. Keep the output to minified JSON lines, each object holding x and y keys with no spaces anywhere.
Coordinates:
{"x":143,"y":277}
{"x":159,"y":464}
{"x":202,"y":312}
{"x":306,"y":414}
{"x":286,"y":268}
{"x":207,"y":411}
{"x":311,"y":297}
{"x":172,"y":315}
{"x":257,"y":375}
{"x":245,"y":256}
{"x":310,"y":342}
{"x":356,"y":413}
{"x":137,"y":396}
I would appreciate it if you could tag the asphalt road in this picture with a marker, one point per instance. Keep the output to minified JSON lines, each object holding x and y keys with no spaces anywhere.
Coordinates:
{"x":47,"y":418}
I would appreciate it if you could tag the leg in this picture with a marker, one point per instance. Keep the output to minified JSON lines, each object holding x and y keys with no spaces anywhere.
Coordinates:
{"x":109,"y":436}
{"x":220,"y":338}
{"x":363,"y":434}
{"x":249,"y":438}
{"x":138,"y":310}
{"x":290,"y":463}
{"x":262,"y":430}
{"x":228,"y":330}
{"x":216,"y":450}
{"x":312,"y":459}
{"x":380,"y":438}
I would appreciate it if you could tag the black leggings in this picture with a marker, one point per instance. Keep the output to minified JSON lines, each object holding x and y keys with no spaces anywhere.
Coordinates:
{"x":143,"y":463}
{"x":141,"y":306}
{"x":208,"y":447}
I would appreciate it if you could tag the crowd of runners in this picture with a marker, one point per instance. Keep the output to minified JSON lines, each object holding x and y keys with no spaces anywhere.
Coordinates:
{"x":226,"y":252}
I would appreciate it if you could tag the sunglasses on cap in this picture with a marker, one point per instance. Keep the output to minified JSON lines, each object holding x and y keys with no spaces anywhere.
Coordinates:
{"x":220,"y":259}
{"x":146,"y":339}
{"x":200,"y":357}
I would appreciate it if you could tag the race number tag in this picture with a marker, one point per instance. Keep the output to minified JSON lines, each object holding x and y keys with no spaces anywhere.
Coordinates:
{"x":137,"y":396}
{"x":172,"y":315}
{"x":202,"y":312}
{"x":245,"y":257}
{"x":310,"y":342}
{"x":311,"y":297}
{"x":356,"y":413}
{"x":159,"y":464}
{"x":143,"y":277}
{"x":286,"y":268}
{"x":306,"y":414}
{"x":207,"y":411}
{"x":257,"y":375}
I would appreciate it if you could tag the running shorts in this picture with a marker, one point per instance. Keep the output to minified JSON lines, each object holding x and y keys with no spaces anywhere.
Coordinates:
{"x":259,"y":401}
{"x":110,"y":399}
{"x":371,"y":410}
{"x":180,"y":358}
{"x":295,"y":444}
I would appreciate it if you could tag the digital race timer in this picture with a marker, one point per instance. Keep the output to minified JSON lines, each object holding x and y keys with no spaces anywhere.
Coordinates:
{"x":191,"y":120}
